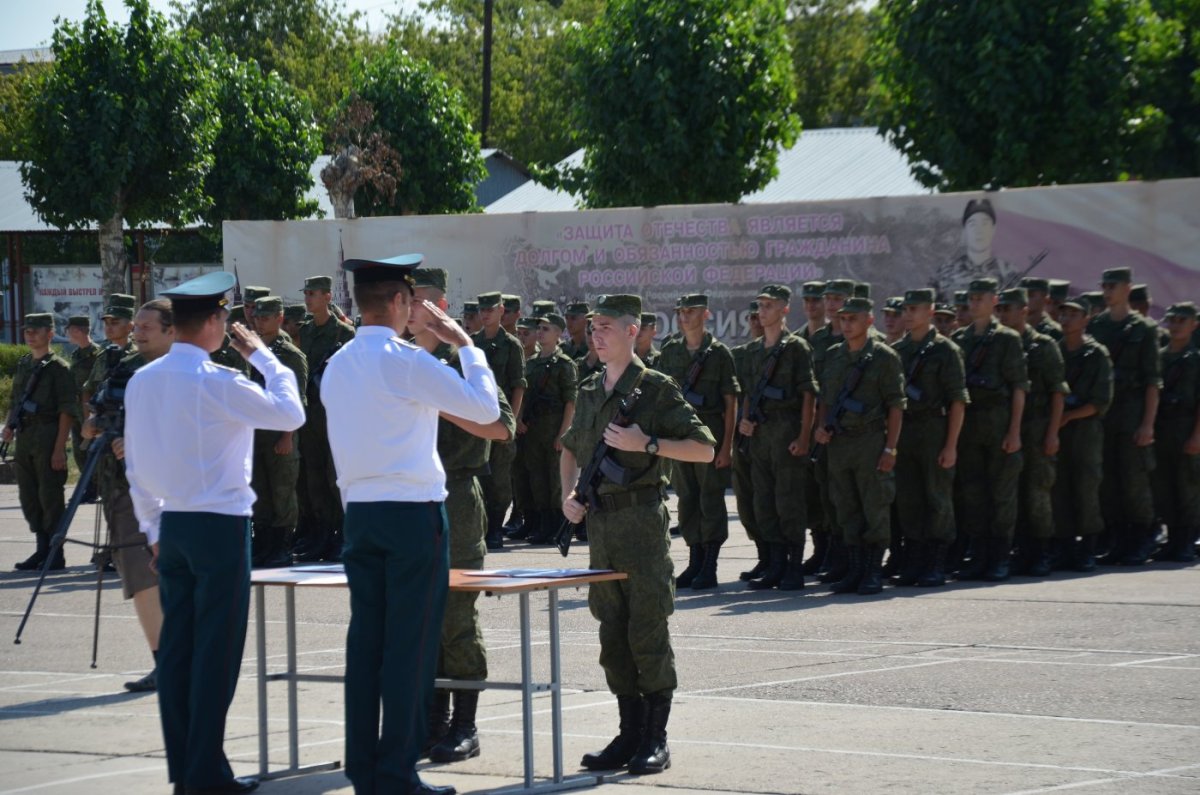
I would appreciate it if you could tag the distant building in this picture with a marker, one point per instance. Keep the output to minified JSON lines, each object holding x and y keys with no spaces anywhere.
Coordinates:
{"x":10,"y":60}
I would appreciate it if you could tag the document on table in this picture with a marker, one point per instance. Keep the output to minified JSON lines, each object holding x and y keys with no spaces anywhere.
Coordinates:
{"x":536,"y":573}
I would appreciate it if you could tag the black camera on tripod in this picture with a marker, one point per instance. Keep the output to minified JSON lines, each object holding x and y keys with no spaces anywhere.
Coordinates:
{"x":109,"y":401}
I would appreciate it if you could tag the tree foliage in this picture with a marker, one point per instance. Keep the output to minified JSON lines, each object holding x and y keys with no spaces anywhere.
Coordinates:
{"x":426,"y":122}
{"x":17,"y":91}
{"x":831,"y":40}
{"x":1012,"y":93}
{"x":680,"y":101}
{"x":1168,"y":97}
{"x":263,"y":152}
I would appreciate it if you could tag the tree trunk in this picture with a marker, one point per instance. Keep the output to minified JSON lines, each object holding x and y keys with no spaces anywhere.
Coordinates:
{"x":114,"y":263}
{"x":343,"y":177}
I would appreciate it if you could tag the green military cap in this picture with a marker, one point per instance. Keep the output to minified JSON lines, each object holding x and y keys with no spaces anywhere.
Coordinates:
{"x":430,"y":277}
{"x":541,"y":308}
{"x":986,"y":285}
{"x":619,"y":306}
{"x":960,"y":298}
{"x":578,"y":308}
{"x":1117,"y":276}
{"x":1059,"y":289}
{"x":944,"y":309}
{"x":692,"y":300}
{"x":1182,"y":309}
{"x":1079,"y":302}
{"x":1094,"y":298}
{"x":527,"y":322}
{"x":1035,"y":284}
{"x":470,"y":307}
{"x":39,"y":320}
{"x":319,"y":283}
{"x":554,"y":319}
{"x":251,"y":294}
{"x":649,"y":319}
{"x":236,"y":311}
{"x":488,"y":300}
{"x":812,"y":289}
{"x":122,"y":312}
{"x":856,"y":305}
{"x":82,"y":321}
{"x":121,"y":299}
{"x":979,"y":206}
{"x":780,"y":292}
{"x":862,"y":290}
{"x":1016,"y":296}
{"x":922,"y":296}
{"x":294,"y":312}
{"x":839,"y":287}
{"x":268,"y":306}
{"x":512,"y":303}
{"x":1139,"y":292}
{"x":893,"y":304}
{"x":754,"y":307}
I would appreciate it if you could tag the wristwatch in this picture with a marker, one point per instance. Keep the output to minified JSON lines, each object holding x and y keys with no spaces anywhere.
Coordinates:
{"x":891,"y":451}
{"x":652,"y":446}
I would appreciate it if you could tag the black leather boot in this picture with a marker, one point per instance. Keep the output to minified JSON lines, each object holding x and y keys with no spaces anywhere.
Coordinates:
{"x":1118,"y":548}
{"x":793,"y":577}
{"x":462,"y":741}
{"x":760,"y":567}
{"x":695,"y":561}
{"x":1142,"y":543}
{"x":872,"y":567}
{"x":915,"y":553}
{"x":518,"y":526}
{"x":258,"y":544}
{"x":707,"y":576}
{"x":515,"y":520}
{"x":311,"y":548}
{"x":834,"y":567}
{"x":999,"y":552}
{"x":439,"y":721}
{"x":978,"y":565}
{"x":1085,"y":554}
{"x":494,"y":538}
{"x":896,"y":552}
{"x":933,"y":575}
{"x":617,"y":753}
{"x":1039,"y":558}
{"x":854,"y":571}
{"x":776,"y":566}
{"x":820,"y":547}
{"x":653,"y":755}
{"x":38,"y":558}
{"x":277,"y":554}
{"x":545,"y":529}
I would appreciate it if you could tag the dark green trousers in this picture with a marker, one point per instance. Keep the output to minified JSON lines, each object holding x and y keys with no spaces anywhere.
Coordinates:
{"x":778,"y":478}
{"x":498,"y":486}
{"x":397,"y":563}
{"x":924,"y":490}
{"x":861,"y":494}
{"x":204,"y":587}
{"x":1177,"y":475}
{"x":463,"y":654}
{"x":320,"y":474}
{"x":39,"y":486}
{"x":1035,"y":515}
{"x":743,"y":492}
{"x":988,"y":477}
{"x":1077,"y":482}
{"x":703,"y":518}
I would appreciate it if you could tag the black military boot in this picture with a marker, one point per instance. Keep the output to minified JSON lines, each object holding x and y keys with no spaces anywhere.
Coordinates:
{"x":793,"y":577}
{"x":277,"y":555}
{"x":495,"y":534}
{"x":760,"y":567}
{"x":515,"y":520}
{"x":707,"y":576}
{"x":978,"y":565}
{"x":548,"y":524}
{"x":531,"y":525}
{"x":854,"y":571}
{"x":1085,"y":554}
{"x":915,"y":553}
{"x":617,"y":753}
{"x":1118,"y":548}
{"x":834,"y":567}
{"x":653,"y":755}
{"x":38,"y":558}
{"x":999,"y":552}
{"x":333,"y":552}
{"x":896,"y":550}
{"x":1143,"y":540}
{"x":439,"y":721}
{"x":311,"y":549}
{"x":872,"y":572}
{"x":776,"y":566}
{"x":258,"y":544}
{"x":695,"y":561}
{"x":820,"y":547}
{"x":933,"y":575}
{"x":58,"y":560}
{"x":462,"y":741}
{"x":1185,"y":548}
{"x":1038,"y":562}
{"x":518,"y":527}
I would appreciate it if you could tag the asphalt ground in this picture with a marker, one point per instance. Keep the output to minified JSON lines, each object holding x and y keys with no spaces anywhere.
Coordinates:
{"x":1075,"y":682}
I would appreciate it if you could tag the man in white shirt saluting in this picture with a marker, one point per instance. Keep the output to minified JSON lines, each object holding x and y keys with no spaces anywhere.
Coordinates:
{"x":383,"y":396}
{"x":188,"y":434}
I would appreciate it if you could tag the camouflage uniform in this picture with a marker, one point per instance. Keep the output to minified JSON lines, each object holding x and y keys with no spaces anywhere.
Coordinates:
{"x":1049,"y":327}
{"x":822,"y":341}
{"x":276,"y":509}
{"x":553,"y":383}
{"x":583,"y":369}
{"x":507,"y":360}
{"x":227,"y":356}
{"x":743,"y":484}
{"x":1177,"y":477}
{"x":82,"y":361}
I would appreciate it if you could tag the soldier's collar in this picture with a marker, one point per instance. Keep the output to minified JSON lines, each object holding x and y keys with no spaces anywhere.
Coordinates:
{"x":631,"y":377}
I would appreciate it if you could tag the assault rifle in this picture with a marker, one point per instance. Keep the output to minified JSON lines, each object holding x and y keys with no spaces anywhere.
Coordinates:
{"x":1014,"y":280}
{"x":25,"y":405}
{"x":844,"y":402}
{"x":692,"y":377}
{"x":763,"y":390}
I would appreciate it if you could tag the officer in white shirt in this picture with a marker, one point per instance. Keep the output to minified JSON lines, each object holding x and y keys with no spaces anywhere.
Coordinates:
{"x":383,"y":396}
{"x":188,"y":436}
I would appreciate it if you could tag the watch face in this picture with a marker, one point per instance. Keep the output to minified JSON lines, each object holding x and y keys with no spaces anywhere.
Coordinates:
{"x":652,"y":448}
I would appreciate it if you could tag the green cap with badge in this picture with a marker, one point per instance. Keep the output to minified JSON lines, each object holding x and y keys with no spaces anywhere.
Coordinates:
{"x":430,"y":277}
{"x":554,"y":319}
{"x":1016,"y":296}
{"x":857,"y":305}
{"x":944,"y":309}
{"x":512,"y":303}
{"x":529,"y":323}
{"x":812,"y":289}
{"x":470,"y":307}
{"x":649,"y":319}
{"x":1079,"y":302}
{"x":619,"y":306}
{"x":121,"y":299}
{"x":778,"y":292}
{"x":542,"y":308}
{"x":839,"y":287}
{"x":252,"y":294}
{"x":81,"y":321}
{"x":268,"y":306}
{"x":1059,"y":290}
{"x":295,"y":312}
{"x":39,"y":320}
{"x":319,"y":283}
{"x":960,"y":298}
{"x":696,"y":300}
{"x":923,"y":295}
{"x":985,"y":285}
{"x":489,"y":300}
{"x":1139,"y":293}
{"x":1117,"y":276}
{"x":862,"y":290}
{"x":1035,"y":284}
{"x":893,"y":305}
{"x":1181,"y":309}
{"x":1095,"y":299}
{"x":577,"y":308}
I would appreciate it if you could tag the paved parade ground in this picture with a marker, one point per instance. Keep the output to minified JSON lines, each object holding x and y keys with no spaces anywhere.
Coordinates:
{"x":1083,"y":683}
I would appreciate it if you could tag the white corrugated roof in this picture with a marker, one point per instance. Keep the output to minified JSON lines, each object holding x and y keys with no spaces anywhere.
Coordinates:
{"x":837,"y":163}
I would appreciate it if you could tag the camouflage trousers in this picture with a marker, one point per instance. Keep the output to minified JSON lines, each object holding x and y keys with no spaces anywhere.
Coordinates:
{"x":1077,"y":480}
{"x":39,"y":485}
{"x":274,"y":482}
{"x":1177,"y":476}
{"x":1035,"y":511}
{"x":778,"y":476}
{"x":462,"y":654}
{"x":924,"y":489}
{"x":497,"y":486}
{"x":743,"y":493}
{"x":861,"y":494}
{"x":988,"y":478}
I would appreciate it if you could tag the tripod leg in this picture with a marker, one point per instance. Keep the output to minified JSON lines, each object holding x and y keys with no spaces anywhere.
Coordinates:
{"x":103,"y":555}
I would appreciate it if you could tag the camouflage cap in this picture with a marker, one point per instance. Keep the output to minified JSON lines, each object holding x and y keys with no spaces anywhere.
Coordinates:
{"x":979,"y":206}
{"x":649,"y":319}
{"x":1117,"y":276}
{"x":39,"y":320}
{"x":960,"y":298}
{"x":619,"y":306}
{"x":512,"y":303}
{"x":553,"y":319}
{"x":488,"y":300}
{"x":295,"y":312}
{"x":893,"y":304}
{"x":812,"y":289}
{"x":987,"y":285}
{"x":857,"y":305}
{"x":236,"y":311}
{"x":319,"y":283}
{"x":541,"y":308}
{"x":1059,"y":289}
{"x":578,"y":308}
{"x":1181,"y":309}
{"x":268,"y":306}
{"x":81,"y":321}
{"x":121,"y":299}
{"x":699,"y":300}
{"x":121,"y":312}
{"x":778,"y":292}
{"x":1079,"y":302}
{"x":839,"y":287}
{"x":1094,"y":298}
{"x":923,"y":295}
{"x":1016,"y":296}
{"x":1140,"y":293}
{"x":470,"y":308}
{"x":1035,"y":284}
{"x":251,"y":294}
{"x":944,"y":309}
{"x":529,"y":323}
{"x":430,"y":277}
{"x":862,"y":290}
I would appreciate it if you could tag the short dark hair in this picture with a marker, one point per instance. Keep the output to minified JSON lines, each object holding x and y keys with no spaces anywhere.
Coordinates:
{"x":166,"y":313}
{"x":373,"y":297}
{"x":190,"y":322}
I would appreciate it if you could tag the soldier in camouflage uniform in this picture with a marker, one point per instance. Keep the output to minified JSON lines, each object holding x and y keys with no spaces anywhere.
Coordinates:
{"x":1037,"y":291}
{"x":976,"y":261}
{"x":250,"y":296}
{"x":1039,"y":436}
{"x":936,"y":393}
{"x":320,"y":338}
{"x":815,"y":324}
{"x":575,"y":345}
{"x":831,"y":565}
{"x":962,"y":309}
{"x":1125,"y":495}
{"x":527,"y":336}
{"x":1177,"y":429}
{"x":512,"y":312}
{"x":294,"y":316}
{"x":518,"y":527}
{"x":645,"y":349}
{"x":743,"y":485}
{"x":703,"y":368}
{"x":1088,"y":373}
{"x":989,"y":449}
{"x":589,"y":363}
{"x":118,"y":326}
{"x":777,"y":413}
{"x":470,"y":315}
{"x":944,"y":320}
{"x":1058,"y":292}
{"x":861,"y":410}
{"x":1141,"y":302}
{"x":507,"y":361}
{"x":83,"y":359}
{"x":276,"y":510}
{"x":627,"y":528}
{"x":893,"y":320}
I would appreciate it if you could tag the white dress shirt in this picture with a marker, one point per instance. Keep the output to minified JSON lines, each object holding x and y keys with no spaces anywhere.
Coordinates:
{"x":382,"y":397}
{"x":189,"y":431}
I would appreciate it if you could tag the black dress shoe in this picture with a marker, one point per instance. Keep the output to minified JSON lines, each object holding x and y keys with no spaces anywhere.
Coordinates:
{"x":425,"y":788}
{"x":229,"y":788}
{"x":147,"y":684}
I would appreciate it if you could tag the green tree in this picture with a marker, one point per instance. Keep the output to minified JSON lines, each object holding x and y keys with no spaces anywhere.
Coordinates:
{"x":1169,"y":97}
{"x":831,"y":41}
{"x":267,"y":143}
{"x":121,"y":130}
{"x":1011,"y":93}
{"x":680,"y":101}
{"x":426,"y":122}
{"x":17,"y":91}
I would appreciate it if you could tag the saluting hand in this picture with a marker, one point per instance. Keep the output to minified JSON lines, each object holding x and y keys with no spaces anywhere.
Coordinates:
{"x":245,"y":341}
{"x":442,"y":326}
